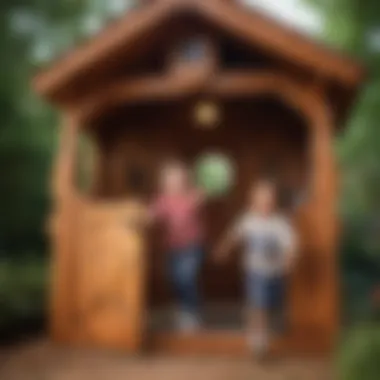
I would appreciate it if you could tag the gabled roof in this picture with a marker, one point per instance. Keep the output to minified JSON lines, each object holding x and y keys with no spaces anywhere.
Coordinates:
{"x":252,"y":27}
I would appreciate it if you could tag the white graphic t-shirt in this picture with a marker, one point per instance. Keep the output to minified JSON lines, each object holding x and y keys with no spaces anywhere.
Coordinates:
{"x":269,"y":240}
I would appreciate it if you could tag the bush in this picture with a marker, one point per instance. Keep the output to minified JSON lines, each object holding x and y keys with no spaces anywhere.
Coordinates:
{"x":23,"y":285}
{"x":360,"y":353}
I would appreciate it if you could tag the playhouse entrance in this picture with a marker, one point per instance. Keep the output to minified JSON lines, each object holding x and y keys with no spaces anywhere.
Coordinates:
{"x":260,"y":138}
{"x":259,"y":143}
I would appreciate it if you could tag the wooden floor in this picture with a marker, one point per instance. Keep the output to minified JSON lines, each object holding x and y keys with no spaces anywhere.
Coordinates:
{"x":41,"y":360}
{"x":215,"y":316}
{"x":233,"y":343}
{"x":223,"y":333}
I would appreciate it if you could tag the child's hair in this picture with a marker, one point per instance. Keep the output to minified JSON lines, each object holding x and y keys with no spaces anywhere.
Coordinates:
{"x":266,"y":183}
{"x":173,"y":164}
{"x":283,"y":199}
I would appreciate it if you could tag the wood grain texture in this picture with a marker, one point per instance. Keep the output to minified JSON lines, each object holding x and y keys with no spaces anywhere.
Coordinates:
{"x":107,"y":271}
{"x":62,"y":232}
{"x":252,"y":27}
{"x":119,"y":35}
{"x":95,"y":237}
{"x":250,"y":140}
{"x":98,"y":266}
{"x":234,"y":343}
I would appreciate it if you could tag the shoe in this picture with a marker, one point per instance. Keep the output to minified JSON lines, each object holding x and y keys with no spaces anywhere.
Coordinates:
{"x":188,"y":323}
{"x":259,"y":345}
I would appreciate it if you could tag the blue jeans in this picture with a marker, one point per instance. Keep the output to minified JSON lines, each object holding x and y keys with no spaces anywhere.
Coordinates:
{"x":265,"y":292}
{"x":184,"y":264}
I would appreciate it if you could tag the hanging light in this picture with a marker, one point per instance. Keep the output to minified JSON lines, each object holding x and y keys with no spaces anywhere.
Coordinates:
{"x":207,"y":114}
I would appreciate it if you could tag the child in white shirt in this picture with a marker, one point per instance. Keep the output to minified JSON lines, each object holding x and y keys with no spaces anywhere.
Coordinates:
{"x":269,"y":255}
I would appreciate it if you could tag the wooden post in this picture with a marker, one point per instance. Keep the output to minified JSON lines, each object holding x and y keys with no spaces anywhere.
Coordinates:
{"x":62,"y":230}
{"x":325,"y":311}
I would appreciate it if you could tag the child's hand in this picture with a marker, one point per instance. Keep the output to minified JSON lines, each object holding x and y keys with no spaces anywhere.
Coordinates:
{"x":222,"y":250}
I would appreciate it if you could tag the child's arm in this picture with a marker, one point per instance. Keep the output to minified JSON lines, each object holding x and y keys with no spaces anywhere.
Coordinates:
{"x":231,"y":238}
{"x":225,"y":246}
{"x":155,"y":211}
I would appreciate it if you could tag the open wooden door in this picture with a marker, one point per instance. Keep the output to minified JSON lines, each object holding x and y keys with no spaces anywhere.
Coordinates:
{"x":111,"y":276}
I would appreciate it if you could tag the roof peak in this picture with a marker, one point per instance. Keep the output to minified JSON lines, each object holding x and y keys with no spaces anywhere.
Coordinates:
{"x":250,"y":27}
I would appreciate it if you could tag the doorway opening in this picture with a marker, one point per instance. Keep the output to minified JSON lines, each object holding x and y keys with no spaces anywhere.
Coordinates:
{"x":259,"y":137}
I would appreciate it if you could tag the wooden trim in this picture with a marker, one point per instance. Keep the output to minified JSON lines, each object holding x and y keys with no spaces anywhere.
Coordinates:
{"x":63,"y":226}
{"x":156,"y":88}
{"x":309,"y":102}
{"x":325,"y":215}
{"x":170,"y":87}
{"x":252,"y":27}
{"x":263,"y":32}
{"x":63,"y":176}
{"x":120,"y":35}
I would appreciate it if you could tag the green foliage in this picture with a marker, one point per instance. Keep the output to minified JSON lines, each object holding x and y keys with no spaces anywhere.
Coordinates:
{"x":359,"y":354}
{"x":23,"y":285}
{"x":32,"y":34}
{"x":354,"y":26}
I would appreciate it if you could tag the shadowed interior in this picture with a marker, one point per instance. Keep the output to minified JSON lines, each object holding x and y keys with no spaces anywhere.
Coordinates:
{"x":261,"y":137}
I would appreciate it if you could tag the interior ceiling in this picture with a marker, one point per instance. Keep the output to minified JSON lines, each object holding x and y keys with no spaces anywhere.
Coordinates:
{"x":144,"y":116}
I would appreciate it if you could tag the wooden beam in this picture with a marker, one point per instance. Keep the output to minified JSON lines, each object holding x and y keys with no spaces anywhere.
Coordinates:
{"x":252,"y":27}
{"x":119,"y":35}
{"x":156,"y":88}
{"x":260,"y":31}
{"x":227,"y":85}
{"x":325,"y":214}
{"x":63,"y":176}
{"x":62,"y":232}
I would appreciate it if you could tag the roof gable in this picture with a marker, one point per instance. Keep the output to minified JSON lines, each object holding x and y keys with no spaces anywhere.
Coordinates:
{"x":252,"y":27}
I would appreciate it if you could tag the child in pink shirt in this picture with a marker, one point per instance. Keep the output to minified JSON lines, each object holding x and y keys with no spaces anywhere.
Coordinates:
{"x":177,"y":207}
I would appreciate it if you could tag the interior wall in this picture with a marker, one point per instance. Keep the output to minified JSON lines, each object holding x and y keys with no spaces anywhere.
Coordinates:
{"x":261,"y":137}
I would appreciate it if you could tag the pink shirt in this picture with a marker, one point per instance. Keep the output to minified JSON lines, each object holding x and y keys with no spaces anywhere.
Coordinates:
{"x":181,"y":217}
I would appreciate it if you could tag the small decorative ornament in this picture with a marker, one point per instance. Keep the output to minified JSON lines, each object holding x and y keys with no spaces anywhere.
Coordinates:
{"x":207,"y":114}
{"x":215,"y":173}
{"x":193,"y":50}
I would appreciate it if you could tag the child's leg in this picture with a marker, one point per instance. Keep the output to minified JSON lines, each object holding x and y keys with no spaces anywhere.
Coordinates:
{"x":190,"y":271}
{"x":258,"y":316}
{"x":174,"y":263}
{"x":184,"y":270}
{"x":278,"y":305}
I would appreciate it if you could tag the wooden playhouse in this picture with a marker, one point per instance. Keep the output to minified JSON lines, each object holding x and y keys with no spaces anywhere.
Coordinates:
{"x":135,"y":91}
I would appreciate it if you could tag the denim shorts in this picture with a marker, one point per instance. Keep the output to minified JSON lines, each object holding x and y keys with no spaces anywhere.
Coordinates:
{"x":264,"y":292}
